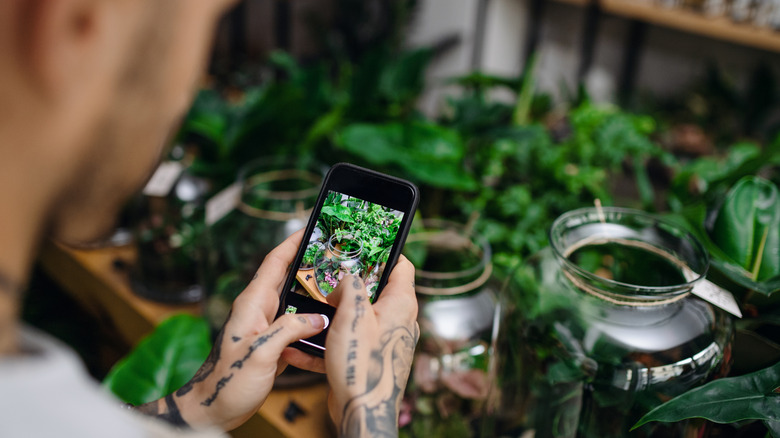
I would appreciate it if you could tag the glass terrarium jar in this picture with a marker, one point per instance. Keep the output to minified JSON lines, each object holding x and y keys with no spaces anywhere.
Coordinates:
{"x":341,"y":256}
{"x":453,"y":373}
{"x":276,"y":199}
{"x":168,"y":235}
{"x":606,"y":328}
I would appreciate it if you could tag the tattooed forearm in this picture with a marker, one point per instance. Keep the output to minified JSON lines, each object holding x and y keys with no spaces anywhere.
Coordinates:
{"x":374,"y":413}
{"x":168,"y":412}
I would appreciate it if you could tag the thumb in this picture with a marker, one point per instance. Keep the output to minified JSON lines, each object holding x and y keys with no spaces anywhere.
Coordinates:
{"x":285,"y":330}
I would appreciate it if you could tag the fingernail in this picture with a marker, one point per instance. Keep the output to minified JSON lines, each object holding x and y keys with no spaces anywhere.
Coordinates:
{"x":316,"y":320}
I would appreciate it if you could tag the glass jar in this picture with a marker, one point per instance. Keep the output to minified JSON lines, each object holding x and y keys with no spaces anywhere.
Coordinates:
{"x":341,"y":256}
{"x":168,"y":234}
{"x":276,"y":199}
{"x":452,"y":375}
{"x":606,"y":328}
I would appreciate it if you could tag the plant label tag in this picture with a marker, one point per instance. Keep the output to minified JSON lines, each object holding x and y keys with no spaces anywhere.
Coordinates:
{"x":717,"y":296}
{"x":163,"y":179}
{"x":222,"y":203}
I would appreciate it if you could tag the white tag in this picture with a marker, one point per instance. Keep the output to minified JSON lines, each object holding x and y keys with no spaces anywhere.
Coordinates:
{"x":164,"y":178}
{"x":712,"y":293}
{"x":222,"y":203}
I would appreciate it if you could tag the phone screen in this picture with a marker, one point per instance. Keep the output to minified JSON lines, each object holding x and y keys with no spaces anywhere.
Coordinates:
{"x":362,"y":218}
{"x":352,"y":237}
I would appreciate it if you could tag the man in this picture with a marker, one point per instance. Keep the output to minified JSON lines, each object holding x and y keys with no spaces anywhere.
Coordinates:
{"x":89,"y":92}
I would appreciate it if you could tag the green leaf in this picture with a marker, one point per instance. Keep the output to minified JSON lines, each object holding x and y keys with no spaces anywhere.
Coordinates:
{"x":693,"y":218}
{"x":525,"y":94}
{"x":750,"y":397}
{"x":747,"y":227}
{"x":341,"y":212}
{"x":162,"y":362}
{"x":428,"y":153}
{"x":480,"y":80}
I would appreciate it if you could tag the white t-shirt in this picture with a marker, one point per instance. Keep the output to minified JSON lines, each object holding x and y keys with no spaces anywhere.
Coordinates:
{"x":46,"y":392}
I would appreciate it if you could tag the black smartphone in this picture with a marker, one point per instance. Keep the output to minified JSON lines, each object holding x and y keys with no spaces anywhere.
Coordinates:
{"x":358,"y":226}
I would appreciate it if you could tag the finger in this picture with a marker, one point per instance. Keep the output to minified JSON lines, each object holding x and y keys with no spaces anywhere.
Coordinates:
{"x":261,"y":296}
{"x":283,"y":332}
{"x":304,"y":361}
{"x":352,"y":305}
{"x":398,"y":298}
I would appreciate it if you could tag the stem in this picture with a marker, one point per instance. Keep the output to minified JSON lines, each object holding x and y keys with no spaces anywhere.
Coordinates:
{"x":760,"y":255}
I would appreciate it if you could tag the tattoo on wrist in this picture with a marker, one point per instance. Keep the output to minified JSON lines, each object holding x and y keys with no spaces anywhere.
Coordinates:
{"x":169,"y":412}
{"x":374,"y":413}
{"x":173,"y":415}
{"x":236,"y":338}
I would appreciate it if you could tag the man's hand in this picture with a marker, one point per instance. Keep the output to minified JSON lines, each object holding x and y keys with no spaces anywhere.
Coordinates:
{"x":369,"y":353}
{"x":246,"y":358}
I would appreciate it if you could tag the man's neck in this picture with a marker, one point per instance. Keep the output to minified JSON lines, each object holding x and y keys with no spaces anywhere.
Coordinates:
{"x":23,"y":201}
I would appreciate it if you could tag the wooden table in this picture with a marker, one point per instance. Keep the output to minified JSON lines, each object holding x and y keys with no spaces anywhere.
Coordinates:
{"x":92,"y":278}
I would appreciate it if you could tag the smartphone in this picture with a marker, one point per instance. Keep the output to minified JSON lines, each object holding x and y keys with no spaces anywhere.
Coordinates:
{"x":358,"y":226}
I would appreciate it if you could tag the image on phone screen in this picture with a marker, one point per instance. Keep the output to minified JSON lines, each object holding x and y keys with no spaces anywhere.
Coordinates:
{"x":351,"y":237}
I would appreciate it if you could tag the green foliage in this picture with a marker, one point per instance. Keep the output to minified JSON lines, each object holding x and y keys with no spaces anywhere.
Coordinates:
{"x":422,"y":151}
{"x":162,"y":362}
{"x":747,"y":227}
{"x":531,"y":174}
{"x":753,"y":396}
{"x":357,"y":224}
{"x":742,"y":240}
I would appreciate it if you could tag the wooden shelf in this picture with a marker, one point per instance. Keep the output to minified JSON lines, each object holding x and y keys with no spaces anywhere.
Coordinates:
{"x":721,"y":28}
{"x":90,"y":276}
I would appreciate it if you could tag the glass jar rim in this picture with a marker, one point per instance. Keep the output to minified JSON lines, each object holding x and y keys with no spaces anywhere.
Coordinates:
{"x":484,"y":266}
{"x":350,"y":254}
{"x":269,"y":169}
{"x":616,"y":214}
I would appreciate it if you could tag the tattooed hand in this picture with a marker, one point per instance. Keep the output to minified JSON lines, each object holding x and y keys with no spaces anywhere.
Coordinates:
{"x":239,"y":373}
{"x":369,"y":353}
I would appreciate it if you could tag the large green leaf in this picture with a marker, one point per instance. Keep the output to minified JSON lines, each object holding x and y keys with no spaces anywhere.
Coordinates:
{"x":747,"y":227}
{"x":754,"y":396}
{"x":162,"y":362}
{"x":429,"y":153}
{"x":693,"y":218}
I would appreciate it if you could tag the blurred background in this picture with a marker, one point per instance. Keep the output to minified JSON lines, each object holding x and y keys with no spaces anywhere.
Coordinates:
{"x":507,"y":114}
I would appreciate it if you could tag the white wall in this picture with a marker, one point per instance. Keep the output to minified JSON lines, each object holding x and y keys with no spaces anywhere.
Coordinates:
{"x":669,"y":62}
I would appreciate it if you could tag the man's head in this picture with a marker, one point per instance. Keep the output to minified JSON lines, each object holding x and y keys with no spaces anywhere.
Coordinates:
{"x":89,"y":92}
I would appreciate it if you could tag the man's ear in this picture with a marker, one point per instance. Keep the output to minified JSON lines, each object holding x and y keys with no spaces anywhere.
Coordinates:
{"x":66,"y":42}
